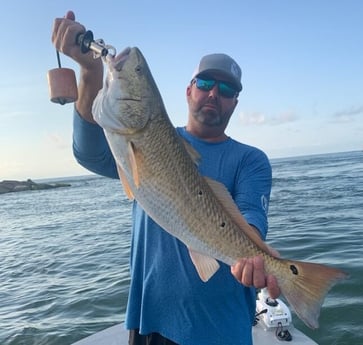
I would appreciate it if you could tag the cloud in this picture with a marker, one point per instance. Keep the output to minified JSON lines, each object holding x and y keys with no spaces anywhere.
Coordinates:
{"x":12,"y":114}
{"x":258,"y":118}
{"x":56,"y":140}
{"x":254,"y":118}
{"x":8,"y":167}
{"x":348,"y":115}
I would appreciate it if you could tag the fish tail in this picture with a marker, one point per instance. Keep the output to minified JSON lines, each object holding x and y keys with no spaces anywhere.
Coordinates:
{"x":306,"y":287}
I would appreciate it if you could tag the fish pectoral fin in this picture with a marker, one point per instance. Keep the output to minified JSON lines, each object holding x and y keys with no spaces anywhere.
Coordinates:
{"x":205,"y":265}
{"x":193,"y":153}
{"x":125,"y":183}
{"x":133,"y":163}
{"x":223,"y":195}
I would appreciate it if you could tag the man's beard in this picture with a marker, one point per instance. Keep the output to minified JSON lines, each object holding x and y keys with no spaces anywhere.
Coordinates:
{"x":209,"y":117}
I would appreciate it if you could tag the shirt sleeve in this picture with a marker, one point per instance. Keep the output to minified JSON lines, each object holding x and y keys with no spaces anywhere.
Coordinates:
{"x":253,"y":189}
{"x":90,"y":148}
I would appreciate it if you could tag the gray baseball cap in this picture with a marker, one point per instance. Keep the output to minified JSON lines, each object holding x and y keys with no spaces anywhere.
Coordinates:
{"x":222,"y":64}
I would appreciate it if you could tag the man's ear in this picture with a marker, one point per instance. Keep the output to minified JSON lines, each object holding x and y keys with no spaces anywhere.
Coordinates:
{"x":188,"y":90}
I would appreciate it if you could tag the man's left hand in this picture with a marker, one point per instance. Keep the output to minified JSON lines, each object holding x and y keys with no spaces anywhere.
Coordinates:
{"x":251,"y":272}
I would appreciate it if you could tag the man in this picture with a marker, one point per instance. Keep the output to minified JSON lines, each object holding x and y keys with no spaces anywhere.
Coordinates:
{"x":168,"y":303}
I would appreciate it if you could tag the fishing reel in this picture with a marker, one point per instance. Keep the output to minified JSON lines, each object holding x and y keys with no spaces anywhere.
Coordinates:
{"x":62,"y":81}
{"x":99,"y":47}
{"x":273,"y":314}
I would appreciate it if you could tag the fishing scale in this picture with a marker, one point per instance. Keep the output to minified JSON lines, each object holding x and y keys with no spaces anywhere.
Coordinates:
{"x":62,"y":81}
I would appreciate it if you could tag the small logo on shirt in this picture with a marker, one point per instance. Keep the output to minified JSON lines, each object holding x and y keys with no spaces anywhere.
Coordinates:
{"x":264,"y":203}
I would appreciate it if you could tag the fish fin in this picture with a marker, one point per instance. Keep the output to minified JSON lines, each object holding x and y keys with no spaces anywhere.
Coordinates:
{"x":133,"y":163}
{"x":125,"y":183}
{"x":193,"y":153}
{"x":205,"y":265}
{"x":223,"y":195}
{"x":306,"y":286}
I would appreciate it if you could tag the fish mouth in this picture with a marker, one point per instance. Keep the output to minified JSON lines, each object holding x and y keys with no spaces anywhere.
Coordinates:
{"x":120,"y":59}
{"x":128,"y":99}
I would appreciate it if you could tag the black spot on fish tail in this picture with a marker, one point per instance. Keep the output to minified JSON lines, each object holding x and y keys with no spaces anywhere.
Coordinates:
{"x":294,"y":269}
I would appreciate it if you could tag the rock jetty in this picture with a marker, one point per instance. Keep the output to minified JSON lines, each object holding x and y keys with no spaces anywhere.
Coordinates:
{"x":9,"y":186}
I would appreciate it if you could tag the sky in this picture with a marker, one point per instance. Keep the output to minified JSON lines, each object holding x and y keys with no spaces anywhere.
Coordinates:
{"x":302,"y":72}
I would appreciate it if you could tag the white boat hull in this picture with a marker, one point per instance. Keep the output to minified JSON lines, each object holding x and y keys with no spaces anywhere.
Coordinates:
{"x":118,"y":335}
{"x":273,"y":318}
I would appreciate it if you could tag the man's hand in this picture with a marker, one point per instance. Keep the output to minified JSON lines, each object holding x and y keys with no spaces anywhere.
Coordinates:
{"x":251,"y":272}
{"x":64,"y":35}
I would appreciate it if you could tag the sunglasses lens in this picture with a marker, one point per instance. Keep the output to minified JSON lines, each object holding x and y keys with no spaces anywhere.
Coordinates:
{"x":205,"y":85}
{"x":224,"y":89}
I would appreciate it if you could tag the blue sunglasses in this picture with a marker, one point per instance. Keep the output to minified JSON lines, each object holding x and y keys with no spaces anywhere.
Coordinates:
{"x":225,"y":89}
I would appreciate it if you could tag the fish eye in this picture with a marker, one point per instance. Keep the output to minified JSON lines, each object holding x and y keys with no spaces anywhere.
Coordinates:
{"x":138,"y":69}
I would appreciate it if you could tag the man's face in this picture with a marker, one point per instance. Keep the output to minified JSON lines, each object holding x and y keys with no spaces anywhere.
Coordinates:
{"x":210,"y":108}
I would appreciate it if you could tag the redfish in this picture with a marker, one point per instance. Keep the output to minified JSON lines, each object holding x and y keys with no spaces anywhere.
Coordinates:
{"x":159,"y":170}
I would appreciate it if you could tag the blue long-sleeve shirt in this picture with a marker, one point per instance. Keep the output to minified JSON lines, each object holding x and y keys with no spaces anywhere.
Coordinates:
{"x":166,"y":294}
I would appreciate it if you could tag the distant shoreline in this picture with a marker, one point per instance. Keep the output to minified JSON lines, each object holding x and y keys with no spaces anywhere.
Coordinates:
{"x":12,"y":186}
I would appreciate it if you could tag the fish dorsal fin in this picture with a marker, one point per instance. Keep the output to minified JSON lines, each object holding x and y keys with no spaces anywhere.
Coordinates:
{"x":193,"y":153}
{"x":205,"y":265}
{"x":133,"y":163}
{"x":125,"y":183}
{"x":223,"y":195}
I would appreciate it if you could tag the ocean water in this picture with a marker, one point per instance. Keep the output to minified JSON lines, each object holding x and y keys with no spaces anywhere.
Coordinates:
{"x":64,"y":252}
